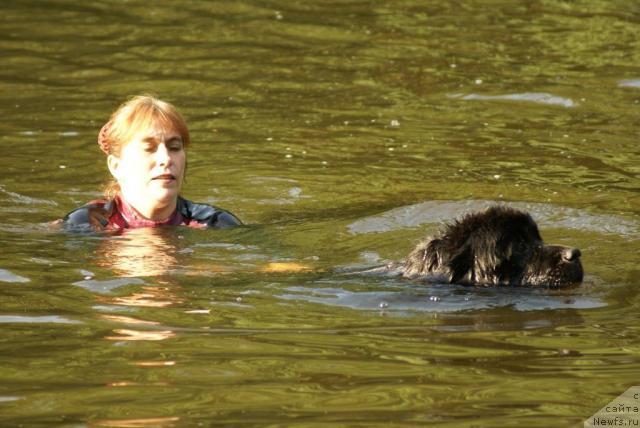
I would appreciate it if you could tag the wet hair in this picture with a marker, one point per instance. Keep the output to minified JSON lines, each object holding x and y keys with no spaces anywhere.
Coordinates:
{"x":133,"y":116}
{"x":498,"y":246}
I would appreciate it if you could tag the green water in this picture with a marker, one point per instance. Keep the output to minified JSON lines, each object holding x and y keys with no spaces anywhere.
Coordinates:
{"x":341,"y":132}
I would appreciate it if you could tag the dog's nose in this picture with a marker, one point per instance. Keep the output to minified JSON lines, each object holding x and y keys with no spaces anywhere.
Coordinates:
{"x":570,"y":254}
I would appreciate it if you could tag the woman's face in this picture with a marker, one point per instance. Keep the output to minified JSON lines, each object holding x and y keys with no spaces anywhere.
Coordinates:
{"x":150,"y":169}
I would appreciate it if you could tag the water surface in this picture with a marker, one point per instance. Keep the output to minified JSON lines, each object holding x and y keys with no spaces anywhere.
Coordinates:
{"x":341,"y":132}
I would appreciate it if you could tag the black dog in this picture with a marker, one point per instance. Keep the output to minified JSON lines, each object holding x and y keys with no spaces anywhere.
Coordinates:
{"x":499,"y":246}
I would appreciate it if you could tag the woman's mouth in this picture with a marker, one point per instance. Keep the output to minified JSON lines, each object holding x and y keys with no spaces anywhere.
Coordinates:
{"x":164,"y":177}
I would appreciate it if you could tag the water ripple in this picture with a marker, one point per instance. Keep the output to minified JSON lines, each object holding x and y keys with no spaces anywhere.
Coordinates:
{"x":108,"y":285}
{"x":11,"y":319}
{"x":533,"y":97}
{"x":441,"y":211}
{"x":630,"y":83}
{"x":26,"y":200}
{"x":441,"y":299}
{"x":6,"y":276}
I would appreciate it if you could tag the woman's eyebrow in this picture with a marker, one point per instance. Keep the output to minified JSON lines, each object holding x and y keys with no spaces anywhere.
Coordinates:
{"x":174,"y":139}
{"x":151,"y":139}
{"x":154,"y":139}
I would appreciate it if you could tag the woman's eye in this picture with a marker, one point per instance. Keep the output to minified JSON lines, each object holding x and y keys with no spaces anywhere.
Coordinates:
{"x":175,"y":147}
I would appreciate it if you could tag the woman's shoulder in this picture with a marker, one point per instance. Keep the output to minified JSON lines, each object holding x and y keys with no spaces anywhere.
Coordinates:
{"x":93,"y":215}
{"x":207,"y":215}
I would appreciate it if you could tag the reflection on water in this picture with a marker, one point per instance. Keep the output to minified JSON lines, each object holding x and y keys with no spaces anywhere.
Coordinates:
{"x":139,"y":252}
{"x":129,"y":334}
{"x":153,"y":363}
{"x":158,"y":252}
{"x":148,"y":252}
{"x":134,"y":423}
{"x":149,"y":296}
{"x":126,"y":319}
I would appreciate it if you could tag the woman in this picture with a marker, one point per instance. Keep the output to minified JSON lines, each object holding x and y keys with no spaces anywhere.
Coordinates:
{"x":145,"y":142}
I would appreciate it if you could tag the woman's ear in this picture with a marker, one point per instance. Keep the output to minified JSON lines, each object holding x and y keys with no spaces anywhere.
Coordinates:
{"x":113,"y":162}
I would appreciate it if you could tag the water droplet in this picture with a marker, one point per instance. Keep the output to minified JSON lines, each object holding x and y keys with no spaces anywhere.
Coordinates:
{"x":383,"y":305}
{"x":434,"y":298}
{"x":395,"y":123}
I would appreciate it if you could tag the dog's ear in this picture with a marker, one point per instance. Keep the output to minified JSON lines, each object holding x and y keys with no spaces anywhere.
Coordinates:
{"x":426,"y":258}
{"x":460,"y":264}
{"x":433,"y":255}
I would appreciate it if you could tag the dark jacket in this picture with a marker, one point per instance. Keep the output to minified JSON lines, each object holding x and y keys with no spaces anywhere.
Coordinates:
{"x":113,"y":214}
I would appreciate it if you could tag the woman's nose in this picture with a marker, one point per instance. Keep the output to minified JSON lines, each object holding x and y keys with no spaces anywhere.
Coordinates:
{"x":162,"y":155}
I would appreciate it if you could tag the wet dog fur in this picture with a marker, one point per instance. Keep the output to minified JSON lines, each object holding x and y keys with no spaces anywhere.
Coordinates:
{"x":498,"y":246}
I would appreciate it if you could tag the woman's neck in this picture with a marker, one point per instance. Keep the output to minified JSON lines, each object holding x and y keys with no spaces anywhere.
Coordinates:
{"x":151,"y":211}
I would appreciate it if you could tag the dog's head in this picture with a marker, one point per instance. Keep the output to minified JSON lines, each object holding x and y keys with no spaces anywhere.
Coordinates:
{"x":499,"y":246}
